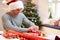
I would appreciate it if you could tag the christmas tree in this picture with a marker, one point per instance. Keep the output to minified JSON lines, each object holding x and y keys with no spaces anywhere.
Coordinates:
{"x":30,"y":12}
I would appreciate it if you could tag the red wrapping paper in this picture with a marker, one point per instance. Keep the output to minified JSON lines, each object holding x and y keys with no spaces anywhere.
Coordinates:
{"x":30,"y":37}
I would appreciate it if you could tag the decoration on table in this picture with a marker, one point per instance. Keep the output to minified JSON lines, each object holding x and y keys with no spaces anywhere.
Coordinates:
{"x":22,"y":36}
{"x":57,"y":22}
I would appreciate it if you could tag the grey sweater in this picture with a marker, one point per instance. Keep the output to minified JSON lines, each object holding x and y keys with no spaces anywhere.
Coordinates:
{"x":14,"y":23}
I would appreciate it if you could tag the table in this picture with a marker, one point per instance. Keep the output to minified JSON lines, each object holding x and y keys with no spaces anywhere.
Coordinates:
{"x":47,"y":30}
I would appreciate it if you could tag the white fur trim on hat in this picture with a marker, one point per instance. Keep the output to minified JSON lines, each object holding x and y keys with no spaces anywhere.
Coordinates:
{"x":16,"y":5}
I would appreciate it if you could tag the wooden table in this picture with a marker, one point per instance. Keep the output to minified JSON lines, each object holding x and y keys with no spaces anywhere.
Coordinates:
{"x":50,"y":31}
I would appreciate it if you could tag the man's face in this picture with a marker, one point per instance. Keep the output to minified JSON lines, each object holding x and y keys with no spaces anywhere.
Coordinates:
{"x":15,"y":12}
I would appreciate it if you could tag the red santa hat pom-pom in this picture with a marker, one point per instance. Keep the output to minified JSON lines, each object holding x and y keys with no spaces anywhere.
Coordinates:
{"x":11,"y":1}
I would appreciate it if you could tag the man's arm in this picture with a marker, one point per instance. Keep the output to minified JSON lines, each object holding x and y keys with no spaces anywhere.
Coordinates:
{"x":28,"y":22}
{"x":8,"y":23}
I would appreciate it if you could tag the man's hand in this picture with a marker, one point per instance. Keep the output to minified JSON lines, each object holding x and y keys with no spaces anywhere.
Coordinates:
{"x":33,"y":28}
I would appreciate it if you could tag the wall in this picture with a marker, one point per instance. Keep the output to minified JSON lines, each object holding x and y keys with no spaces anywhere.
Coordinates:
{"x":2,"y":11}
{"x":0,"y":17}
{"x":42,"y":6}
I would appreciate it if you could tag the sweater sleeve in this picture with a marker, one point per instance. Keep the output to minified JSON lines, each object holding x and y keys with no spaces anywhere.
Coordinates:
{"x":28,"y":22}
{"x":9,"y":25}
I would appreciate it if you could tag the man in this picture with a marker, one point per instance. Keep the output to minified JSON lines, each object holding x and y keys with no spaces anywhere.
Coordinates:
{"x":13,"y":19}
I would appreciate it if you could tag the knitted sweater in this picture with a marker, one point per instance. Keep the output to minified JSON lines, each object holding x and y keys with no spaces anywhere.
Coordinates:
{"x":14,"y":23}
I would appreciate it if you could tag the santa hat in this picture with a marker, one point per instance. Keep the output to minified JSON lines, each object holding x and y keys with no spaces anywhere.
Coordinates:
{"x":11,"y":1}
{"x":8,"y":1}
{"x":16,"y":5}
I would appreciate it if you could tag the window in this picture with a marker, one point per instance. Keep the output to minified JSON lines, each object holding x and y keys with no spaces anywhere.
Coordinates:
{"x":54,"y":8}
{"x":58,"y":0}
